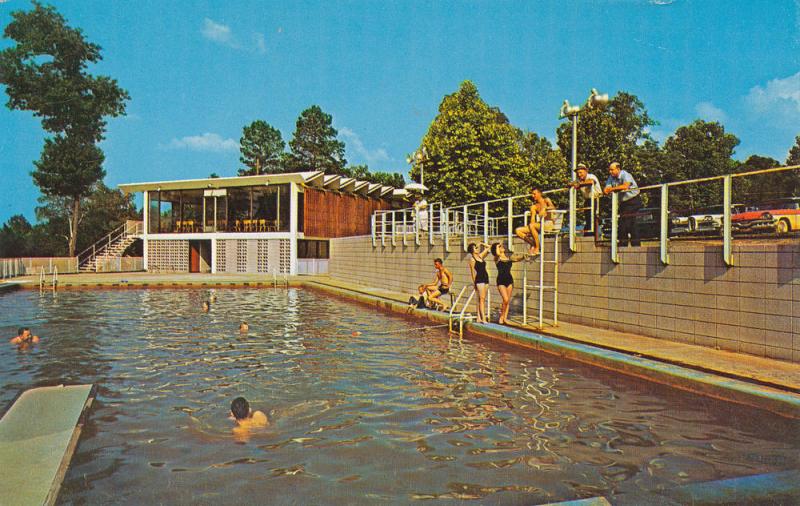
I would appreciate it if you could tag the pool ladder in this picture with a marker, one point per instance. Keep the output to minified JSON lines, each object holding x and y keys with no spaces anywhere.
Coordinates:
{"x":282,"y":281}
{"x":462,"y":315}
{"x":540,"y":285}
{"x":43,"y":280}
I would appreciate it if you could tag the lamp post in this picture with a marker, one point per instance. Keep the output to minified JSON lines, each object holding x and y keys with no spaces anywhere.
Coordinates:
{"x":418,"y":157}
{"x":595,"y":100}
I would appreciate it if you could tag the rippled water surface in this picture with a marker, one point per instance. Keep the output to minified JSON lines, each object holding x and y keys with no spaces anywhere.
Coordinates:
{"x":365,"y":407}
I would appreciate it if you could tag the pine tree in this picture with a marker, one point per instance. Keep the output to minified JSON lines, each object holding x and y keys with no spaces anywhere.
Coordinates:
{"x":315,"y":146}
{"x":262,"y":148}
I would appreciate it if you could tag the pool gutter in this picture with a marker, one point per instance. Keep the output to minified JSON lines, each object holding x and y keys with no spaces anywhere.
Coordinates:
{"x":701,"y":382}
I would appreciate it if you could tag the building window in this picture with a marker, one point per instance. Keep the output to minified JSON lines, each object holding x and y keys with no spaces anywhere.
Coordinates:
{"x":310,"y":248}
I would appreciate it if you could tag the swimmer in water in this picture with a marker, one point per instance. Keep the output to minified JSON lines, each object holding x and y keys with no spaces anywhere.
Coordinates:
{"x":245,"y":418}
{"x":206,"y":306}
{"x":213,"y":298}
{"x":24,"y":337}
{"x":244,"y":327}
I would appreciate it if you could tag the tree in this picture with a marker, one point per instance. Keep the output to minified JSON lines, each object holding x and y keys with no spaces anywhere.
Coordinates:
{"x":15,"y":237}
{"x":699,"y":150}
{"x":608,"y":134}
{"x":762,"y":187}
{"x":544,"y":162}
{"x":314,"y":145}
{"x":262,"y":149}
{"x":46,"y":72}
{"x":473,"y":152}
{"x":363,"y":173}
{"x":793,"y":158}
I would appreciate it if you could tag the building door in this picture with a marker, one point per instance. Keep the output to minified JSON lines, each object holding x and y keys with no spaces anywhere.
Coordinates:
{"x":194,"y":256}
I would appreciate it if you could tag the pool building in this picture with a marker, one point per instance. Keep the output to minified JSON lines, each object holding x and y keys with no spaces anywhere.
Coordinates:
{"x":274,"y":223}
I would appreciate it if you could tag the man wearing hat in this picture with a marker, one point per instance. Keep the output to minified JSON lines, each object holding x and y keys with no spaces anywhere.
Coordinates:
{"x":589,"y":186}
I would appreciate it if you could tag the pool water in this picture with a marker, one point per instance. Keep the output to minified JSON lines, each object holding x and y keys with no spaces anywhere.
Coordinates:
{"x":365,"y":407}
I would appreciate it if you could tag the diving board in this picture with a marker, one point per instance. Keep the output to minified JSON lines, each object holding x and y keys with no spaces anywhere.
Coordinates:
{"x":38,"y":435}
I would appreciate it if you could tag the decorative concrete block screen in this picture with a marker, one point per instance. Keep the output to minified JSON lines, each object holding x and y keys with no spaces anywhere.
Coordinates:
{"x":167,"y":256}
{"x":253,"y":255}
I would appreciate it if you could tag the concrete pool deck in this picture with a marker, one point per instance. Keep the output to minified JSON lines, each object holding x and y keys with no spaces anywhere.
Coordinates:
{"x":775,"y":382}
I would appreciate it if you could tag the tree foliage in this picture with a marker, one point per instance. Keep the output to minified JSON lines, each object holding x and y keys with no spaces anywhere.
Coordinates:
{"x":46,"y":73}
{"x":793,"y":158}
{"x":545,"y":163}
{"x":698,"y":150}
{"x":363,"y":173}
{"x":314,"y":145}
{"x":473,"y":152}
{"x":16,"y":237}
{"x":612,"y":133}
{"x":262,"y":149}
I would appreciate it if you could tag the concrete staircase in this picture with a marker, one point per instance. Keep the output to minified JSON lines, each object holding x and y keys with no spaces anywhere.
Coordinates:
{"x":112,"y":245}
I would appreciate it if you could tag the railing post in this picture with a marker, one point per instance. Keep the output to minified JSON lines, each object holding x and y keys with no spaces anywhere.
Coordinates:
{"x":466,"y":228}
{"x":524,"y":293}
{"x":664,"y":238}
{"x":405,"y":227}
{"x":430,"y":223}
{"x":727,"y":246}
{"x":615,"y":227}
{"x":485,"y":222}
{"x":446,"y":231}
{"x":510,"y":231}
{"x":383,"y":229}
{"x":572,"y":215}
{"x":417,"y":227}
{"x":372,"y":219}
{"x":394,"y":227}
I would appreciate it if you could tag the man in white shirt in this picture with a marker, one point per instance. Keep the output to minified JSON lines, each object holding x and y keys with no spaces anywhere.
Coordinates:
{"x":590,"y":187}
{"x":421,"y":210}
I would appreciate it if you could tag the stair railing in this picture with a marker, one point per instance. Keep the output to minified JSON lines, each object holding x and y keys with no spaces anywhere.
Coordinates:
{"x":103,"y":245}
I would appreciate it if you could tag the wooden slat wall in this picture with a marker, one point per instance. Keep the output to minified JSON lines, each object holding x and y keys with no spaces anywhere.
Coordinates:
{"x":330,"y":214}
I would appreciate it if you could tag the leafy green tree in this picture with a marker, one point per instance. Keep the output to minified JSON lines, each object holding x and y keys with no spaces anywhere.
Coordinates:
{"x":15,"y":237}
{"x":761,"y":187}
{"x":363,"y":173}
{"x":545,"y":162}
{"x":314,"y":145}
{"x":612,"y":133}
{"x":473,"y":152}
{"x":46,"y":72}
{"x":262,"y":149}
{"x":701,"y":149}
{"x":793,"y":158}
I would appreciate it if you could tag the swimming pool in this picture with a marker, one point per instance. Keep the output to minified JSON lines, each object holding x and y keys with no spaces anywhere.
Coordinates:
{"x":364,"y":408}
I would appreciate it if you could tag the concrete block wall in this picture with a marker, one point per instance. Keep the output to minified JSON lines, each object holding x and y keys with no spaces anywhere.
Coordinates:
{"x":753,"y":307}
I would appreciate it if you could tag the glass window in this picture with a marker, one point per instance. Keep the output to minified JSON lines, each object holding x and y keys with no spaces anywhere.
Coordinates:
{"x":311,"y":248}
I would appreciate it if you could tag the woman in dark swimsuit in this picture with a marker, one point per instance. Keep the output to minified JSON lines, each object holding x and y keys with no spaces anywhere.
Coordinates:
{"x":505,"y":281}
{"x":480,"y":277}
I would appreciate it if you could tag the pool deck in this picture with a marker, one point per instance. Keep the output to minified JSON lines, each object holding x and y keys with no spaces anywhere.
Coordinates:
{"x":772,"y":377}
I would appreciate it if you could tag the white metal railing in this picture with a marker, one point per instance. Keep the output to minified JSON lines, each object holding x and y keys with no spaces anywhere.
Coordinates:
{"x":491,"y":217}
{"x":11,"y":268}
{"x":104,"y":245}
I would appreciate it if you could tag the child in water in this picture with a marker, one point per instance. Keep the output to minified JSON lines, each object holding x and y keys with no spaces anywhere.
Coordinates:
{"x":246,"y":419}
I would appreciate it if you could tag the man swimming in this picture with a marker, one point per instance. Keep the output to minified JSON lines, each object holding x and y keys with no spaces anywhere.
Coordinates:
{"x":246,"y":418}
{"x":24,"y":337}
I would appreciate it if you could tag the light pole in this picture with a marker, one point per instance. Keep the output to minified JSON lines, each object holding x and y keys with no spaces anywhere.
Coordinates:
{"x":418,"y":157}
{"x":595,"y":100}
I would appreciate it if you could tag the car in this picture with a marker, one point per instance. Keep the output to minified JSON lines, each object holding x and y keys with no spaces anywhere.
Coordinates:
{"x":647,"y":223}
{"x":709,"y":220}
{"x":780,"y":216}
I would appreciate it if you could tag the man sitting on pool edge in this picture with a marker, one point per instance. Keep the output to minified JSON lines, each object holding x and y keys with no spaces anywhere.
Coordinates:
{"x":246,"y":419}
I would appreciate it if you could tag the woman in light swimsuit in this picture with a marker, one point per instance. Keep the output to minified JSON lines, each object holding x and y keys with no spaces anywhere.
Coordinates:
{"x":505,"y":281}
{"x":480,"y":277}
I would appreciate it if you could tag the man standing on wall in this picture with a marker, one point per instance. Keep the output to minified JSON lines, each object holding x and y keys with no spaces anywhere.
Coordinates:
{"x":630,"y":202}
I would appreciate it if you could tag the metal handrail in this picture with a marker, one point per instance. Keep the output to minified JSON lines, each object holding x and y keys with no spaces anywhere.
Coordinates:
{"x":109,"y":239}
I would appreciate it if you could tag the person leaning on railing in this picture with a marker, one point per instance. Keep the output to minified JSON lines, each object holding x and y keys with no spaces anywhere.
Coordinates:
{"x":630,"y":202}
{"x":589,"y":186}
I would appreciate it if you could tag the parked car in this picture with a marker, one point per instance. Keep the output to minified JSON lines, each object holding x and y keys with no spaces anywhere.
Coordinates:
{"x":647,"y":223}
{"x":709,"y":220}
{"x":780,"y":216}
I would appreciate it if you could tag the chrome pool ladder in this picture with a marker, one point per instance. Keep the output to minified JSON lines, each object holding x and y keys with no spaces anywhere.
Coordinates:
{"x":540,"y":286}
{"x":283,"y":281}
{"x":462,"y":315}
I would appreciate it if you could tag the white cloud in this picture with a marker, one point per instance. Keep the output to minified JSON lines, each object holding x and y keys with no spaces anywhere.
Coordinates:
{"x":206,"y":142}
{"x":369,"y":156}
{"x":778,"y":96}
{"x":709,"y":112}
{"x":223,"y":34}
{"x":217,"y":32}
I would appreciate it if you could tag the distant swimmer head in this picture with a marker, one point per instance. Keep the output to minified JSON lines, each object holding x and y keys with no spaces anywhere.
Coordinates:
{"x":240,"y":408}
{"x":206,"y":306}
{"x":244,"y":327}
{"x":213,"y":298}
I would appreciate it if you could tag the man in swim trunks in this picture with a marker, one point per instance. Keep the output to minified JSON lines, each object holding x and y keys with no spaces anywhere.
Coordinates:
{"x":540,"y":214}
{"x":24,"y":337}
{"x":440,"y":286}
{"x":246,"y":419}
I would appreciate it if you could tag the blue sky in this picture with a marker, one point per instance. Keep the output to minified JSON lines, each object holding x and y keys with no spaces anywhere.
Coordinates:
{"x":197,"y":72}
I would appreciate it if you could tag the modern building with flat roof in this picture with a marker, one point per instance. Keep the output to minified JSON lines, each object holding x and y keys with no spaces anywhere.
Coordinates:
{"x":275,"y":223}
